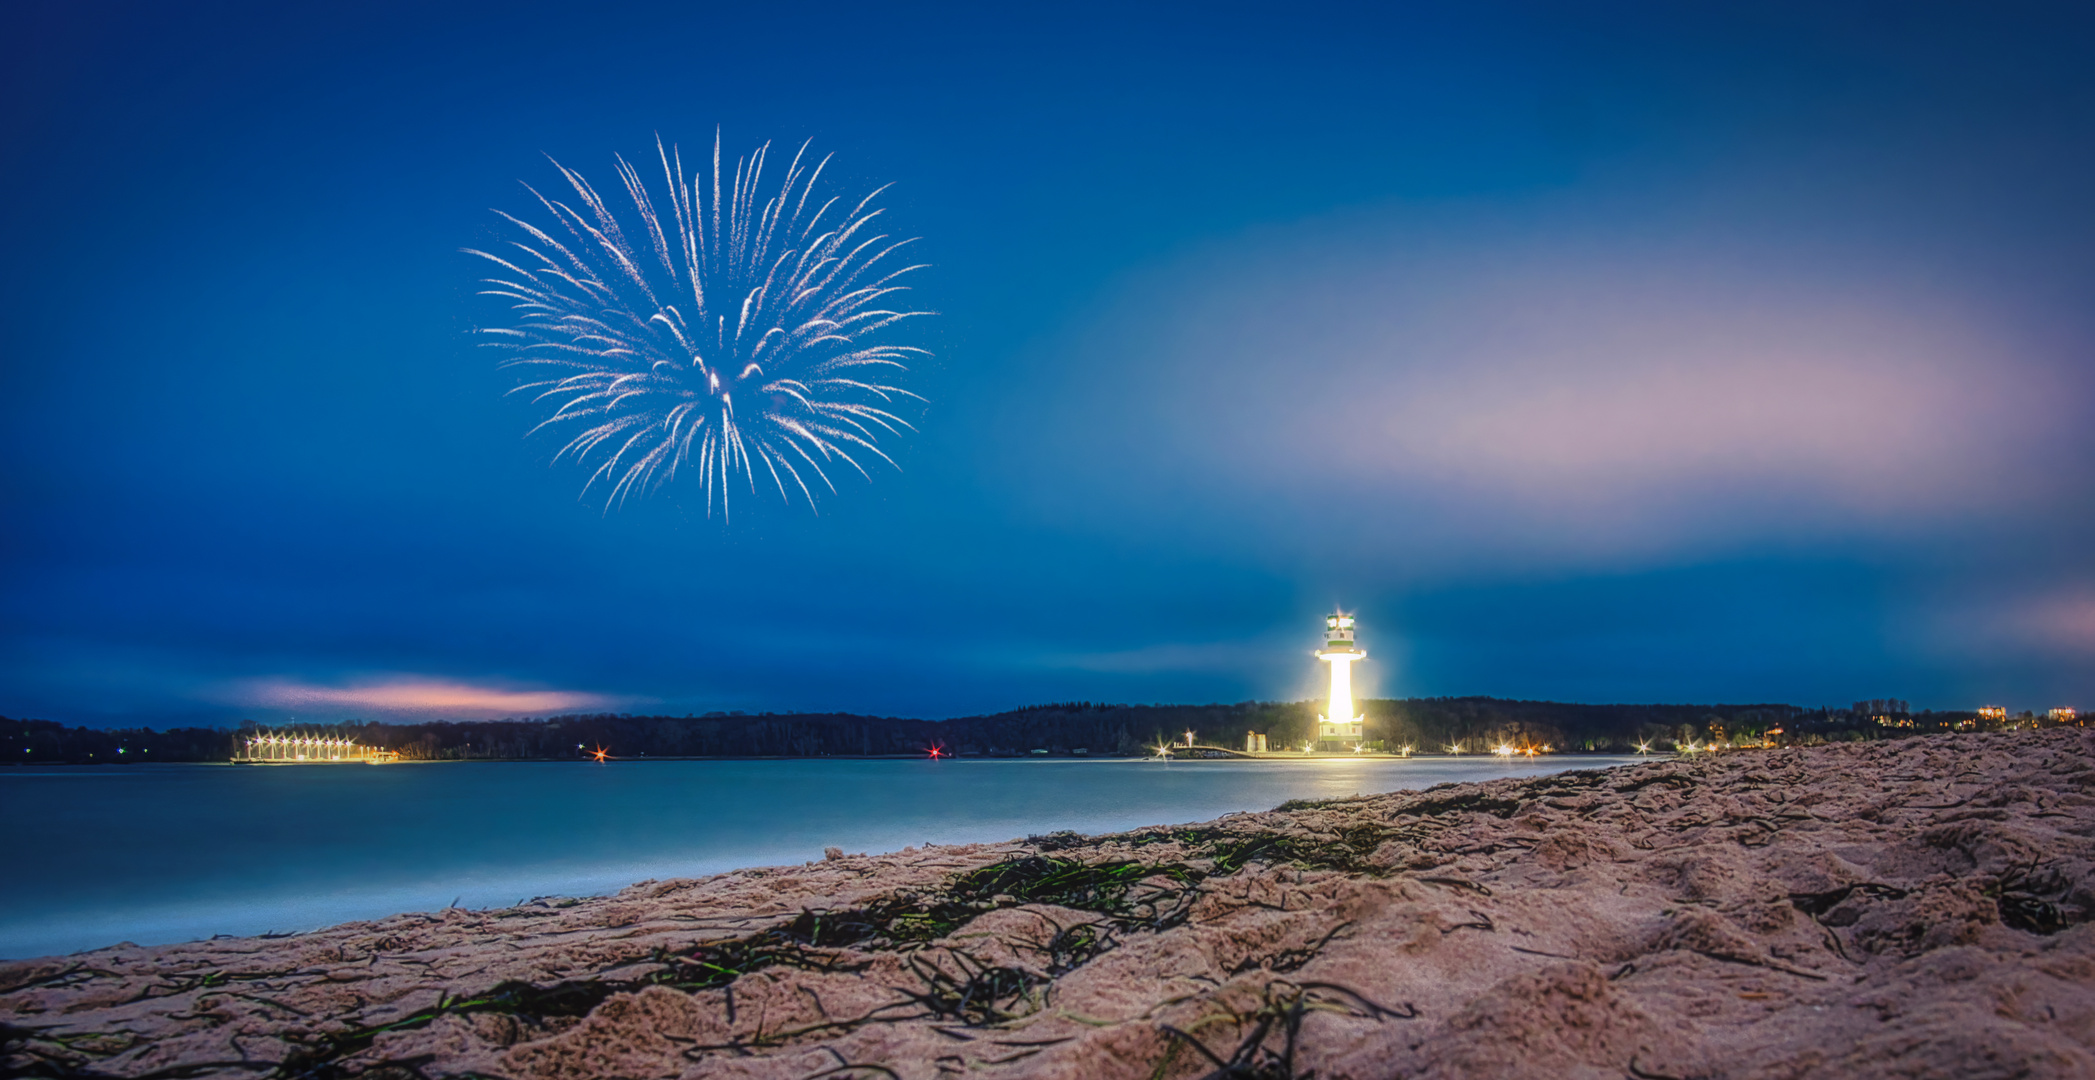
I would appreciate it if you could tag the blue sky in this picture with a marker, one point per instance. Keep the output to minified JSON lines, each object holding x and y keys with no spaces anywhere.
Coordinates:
{"x":1588,"y":352}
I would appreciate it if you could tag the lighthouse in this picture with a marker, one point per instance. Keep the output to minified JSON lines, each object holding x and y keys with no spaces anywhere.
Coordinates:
{"x":1339,"y":723}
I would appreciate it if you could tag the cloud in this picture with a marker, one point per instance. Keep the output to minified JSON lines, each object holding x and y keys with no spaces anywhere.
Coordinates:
{"x":1555,"y":392}
{"x":415,"y":695}
{"x":1841,"y":404}
{"x":2065,"y":623}
{"x":2056,"y":622}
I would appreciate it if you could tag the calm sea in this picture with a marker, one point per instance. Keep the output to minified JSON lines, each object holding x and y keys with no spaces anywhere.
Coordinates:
{"x":164,"y":853}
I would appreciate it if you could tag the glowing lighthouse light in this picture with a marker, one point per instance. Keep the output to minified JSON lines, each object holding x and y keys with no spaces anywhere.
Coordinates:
{"x":1339,"y":722}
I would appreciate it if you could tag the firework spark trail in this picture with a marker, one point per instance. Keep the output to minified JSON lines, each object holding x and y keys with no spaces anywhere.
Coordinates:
{"x":748,"y":333}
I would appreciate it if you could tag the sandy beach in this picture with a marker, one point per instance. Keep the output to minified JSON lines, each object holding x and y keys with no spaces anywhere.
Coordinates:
{"x":1907,"y":908}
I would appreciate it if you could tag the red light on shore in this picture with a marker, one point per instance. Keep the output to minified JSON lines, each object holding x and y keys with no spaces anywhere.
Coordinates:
{"x":600,"y":754}
{"x":936,"y":752}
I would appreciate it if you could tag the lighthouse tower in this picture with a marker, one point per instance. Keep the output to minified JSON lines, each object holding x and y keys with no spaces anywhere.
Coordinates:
{"x":1339,"y":723}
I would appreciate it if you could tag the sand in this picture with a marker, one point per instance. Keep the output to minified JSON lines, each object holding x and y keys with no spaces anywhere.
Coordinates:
{"x":1908,"y":908}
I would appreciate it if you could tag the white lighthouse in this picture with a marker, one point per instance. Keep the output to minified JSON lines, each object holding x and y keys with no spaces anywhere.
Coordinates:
{"x":1339,"y":723}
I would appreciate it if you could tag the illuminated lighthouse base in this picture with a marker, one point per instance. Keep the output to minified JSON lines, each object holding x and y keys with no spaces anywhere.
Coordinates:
{"x":1340,"y":728}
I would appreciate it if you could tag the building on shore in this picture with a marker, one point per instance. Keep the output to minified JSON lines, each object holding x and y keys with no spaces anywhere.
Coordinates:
{"x":1340,"y":728}
{"x":275,"y":748}
{"x":1254,"y":742}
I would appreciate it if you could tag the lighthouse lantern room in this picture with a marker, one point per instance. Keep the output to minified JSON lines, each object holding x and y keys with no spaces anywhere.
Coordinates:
{"x":1339,"y":724}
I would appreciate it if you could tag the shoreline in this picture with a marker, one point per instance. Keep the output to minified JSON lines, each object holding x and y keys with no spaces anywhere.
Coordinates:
{"x":1235,"y":755}
{"x":577,"y":832}
{"x":1913,"y":907}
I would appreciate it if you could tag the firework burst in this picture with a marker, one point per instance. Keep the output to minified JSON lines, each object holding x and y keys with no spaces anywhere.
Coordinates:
{"x":743,"y":331}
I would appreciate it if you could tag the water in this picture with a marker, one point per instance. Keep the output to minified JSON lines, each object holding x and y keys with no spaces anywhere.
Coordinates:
{"x":164,"y":853}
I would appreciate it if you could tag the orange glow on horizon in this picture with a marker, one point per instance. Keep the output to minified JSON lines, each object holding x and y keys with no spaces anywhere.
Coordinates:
{"x":416,"y":694}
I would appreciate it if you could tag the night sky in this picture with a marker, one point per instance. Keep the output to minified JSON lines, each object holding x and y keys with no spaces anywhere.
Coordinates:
{"x":1588,"y":352}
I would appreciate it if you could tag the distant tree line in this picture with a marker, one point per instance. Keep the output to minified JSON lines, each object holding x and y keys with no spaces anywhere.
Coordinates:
{"x":1429,"y":725}
{"x":47,"y":742}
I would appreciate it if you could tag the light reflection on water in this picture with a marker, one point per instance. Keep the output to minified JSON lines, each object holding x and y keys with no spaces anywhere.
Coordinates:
{"x":162,"y":853}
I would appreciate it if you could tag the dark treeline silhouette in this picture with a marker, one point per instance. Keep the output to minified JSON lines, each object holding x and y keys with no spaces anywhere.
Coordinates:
{"x":46,"y":742}
{"x":1430,"y":725}
{"x":1059,"y":729}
